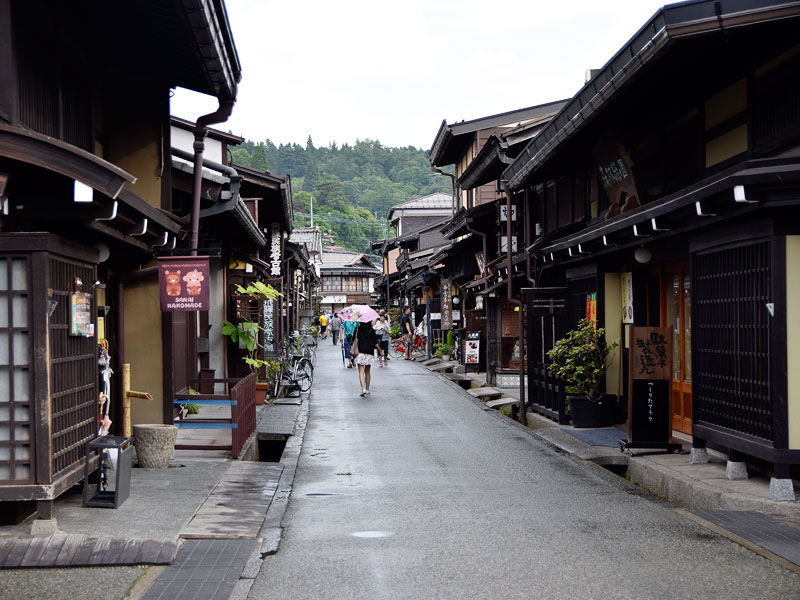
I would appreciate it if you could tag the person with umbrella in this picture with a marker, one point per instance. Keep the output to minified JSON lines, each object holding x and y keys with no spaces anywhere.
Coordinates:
{"x":365,"y":342}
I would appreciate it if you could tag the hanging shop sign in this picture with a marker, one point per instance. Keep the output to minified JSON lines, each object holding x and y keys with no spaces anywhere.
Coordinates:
{"x":591,"y":308}
{"x":649,"y":398}
{"x":504,"y":212}
{"x":80,"y":315}
{"x":481,"y":261}
{"x":447,"y":304}
{"x":275,"y":251}
{"x":183,"y":283}
{"x":627,"y":297}
{"x":615,"y":169}
{"x":269,"y":325}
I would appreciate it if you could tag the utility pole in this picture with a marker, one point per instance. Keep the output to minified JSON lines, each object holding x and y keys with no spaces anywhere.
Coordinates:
{"x":312,"y":211}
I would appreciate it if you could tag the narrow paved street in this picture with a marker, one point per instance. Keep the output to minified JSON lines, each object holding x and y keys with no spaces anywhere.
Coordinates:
{"x":417,"y":492}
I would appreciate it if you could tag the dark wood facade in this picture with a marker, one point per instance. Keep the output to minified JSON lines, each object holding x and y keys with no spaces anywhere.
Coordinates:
{"x":84,"y":204}
{"x":684,"y":178}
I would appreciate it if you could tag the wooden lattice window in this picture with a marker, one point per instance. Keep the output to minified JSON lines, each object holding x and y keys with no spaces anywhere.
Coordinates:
{"x":16,"y":410}
{"x":731,"y":345}
{"x":73,"y":369}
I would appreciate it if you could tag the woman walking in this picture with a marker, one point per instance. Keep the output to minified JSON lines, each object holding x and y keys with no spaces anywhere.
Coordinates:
{"x":365,"y":343}
{"x":384,"y":333}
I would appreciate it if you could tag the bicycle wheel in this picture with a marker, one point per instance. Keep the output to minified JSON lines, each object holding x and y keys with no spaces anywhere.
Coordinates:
{"x":277,"y":385}
{"x":304,"y":374}
{"x":396,"y":348}
{"x":310,"y":354}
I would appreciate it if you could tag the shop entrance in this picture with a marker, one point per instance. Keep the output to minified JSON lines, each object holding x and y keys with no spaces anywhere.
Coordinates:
{"x":676,"y":304}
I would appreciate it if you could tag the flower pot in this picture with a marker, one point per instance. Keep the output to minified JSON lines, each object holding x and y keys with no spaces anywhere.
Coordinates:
{"x":262,"y":389}
{"x":155,"y":444}
{"x":445,"y":357}
{"x":598,"y":412}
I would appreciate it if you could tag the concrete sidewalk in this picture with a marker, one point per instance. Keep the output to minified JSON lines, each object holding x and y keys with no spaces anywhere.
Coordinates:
{"x":167,"y":505}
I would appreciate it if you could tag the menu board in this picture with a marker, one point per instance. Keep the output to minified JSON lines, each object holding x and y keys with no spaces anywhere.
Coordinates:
{"x":472,"y":348}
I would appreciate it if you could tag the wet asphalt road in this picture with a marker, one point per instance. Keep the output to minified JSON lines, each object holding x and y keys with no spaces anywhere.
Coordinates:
{"x":416,"y":492}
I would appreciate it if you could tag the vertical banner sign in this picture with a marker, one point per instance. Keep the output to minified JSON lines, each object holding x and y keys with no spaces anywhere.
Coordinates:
{"x":591,"y":308}
{"x":275,"y":251}
{"x":627,"y":297}
{"x":447,"y":305}
{"x":269,"y":325}
{"x":649,"y":405}
{"x":183,"y":283}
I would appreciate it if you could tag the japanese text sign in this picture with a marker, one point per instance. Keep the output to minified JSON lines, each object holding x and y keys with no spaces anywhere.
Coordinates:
{"x":651,"y":352}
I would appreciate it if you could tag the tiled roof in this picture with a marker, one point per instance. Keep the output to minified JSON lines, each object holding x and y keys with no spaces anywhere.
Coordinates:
{"x":341,"y":258}
{"x":310,"y":236}
{"x":437,"y":201}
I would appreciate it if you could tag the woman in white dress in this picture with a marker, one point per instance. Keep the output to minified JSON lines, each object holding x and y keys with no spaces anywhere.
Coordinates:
{"x":367,"y":342}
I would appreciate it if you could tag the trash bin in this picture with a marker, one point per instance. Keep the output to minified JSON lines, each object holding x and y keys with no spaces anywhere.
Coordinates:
{"x":105,"y":447}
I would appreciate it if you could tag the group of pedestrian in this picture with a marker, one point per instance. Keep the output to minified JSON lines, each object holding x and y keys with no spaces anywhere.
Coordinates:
{"x":362,"y":341}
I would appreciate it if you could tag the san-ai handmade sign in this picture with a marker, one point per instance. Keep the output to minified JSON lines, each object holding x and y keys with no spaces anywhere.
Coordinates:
{"x":183,"y":283}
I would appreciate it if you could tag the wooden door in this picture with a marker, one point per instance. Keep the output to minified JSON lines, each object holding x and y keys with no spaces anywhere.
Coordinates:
{"x":676,"y":304}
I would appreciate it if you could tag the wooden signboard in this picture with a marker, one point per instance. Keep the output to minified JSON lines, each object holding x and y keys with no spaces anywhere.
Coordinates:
{"x":183,"y":283}
{"x":650,"y":389}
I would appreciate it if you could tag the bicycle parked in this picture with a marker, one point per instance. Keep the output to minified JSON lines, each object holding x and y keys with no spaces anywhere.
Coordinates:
{"x":296,"y":371}
{"x":303,"y":343}
{"x":397,"y":347}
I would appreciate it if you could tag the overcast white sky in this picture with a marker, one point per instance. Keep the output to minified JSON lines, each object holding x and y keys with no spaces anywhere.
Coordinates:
{"x":391,"y":71}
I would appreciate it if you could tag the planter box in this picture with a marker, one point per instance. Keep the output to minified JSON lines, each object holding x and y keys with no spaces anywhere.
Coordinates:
{"x":600,"y":412}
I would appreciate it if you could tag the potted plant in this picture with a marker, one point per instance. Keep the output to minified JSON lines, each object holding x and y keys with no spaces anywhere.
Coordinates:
{"x":444,"y":350}
{"x":246,"y":331}
{"x":580,"y":360}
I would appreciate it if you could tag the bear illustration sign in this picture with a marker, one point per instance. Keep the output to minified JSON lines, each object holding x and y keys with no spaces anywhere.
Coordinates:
{"x":183,"y":283}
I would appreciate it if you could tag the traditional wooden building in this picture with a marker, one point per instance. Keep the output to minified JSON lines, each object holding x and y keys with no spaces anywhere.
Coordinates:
{"x":478,"y":259}
{"x":666,"y":191}
{"x":85,"y":191}
{"x":346,"y":279}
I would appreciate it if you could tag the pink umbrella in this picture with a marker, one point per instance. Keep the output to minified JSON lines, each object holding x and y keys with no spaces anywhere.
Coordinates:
{"x":360,"y":313}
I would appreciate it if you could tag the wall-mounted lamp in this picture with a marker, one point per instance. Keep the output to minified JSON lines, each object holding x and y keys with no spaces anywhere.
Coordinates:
{"x":103,"y":250}
{"x":642,"y":255}
{"x":456,"y":300}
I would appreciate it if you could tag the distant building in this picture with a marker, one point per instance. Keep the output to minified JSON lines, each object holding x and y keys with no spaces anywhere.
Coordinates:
{"x":416,"y":214}
{"x":311,"y":238}
{"x":346,"y":279}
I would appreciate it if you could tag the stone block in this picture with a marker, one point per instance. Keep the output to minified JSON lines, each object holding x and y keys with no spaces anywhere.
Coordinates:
{"x":698,"y":456}
{"x":736,"y":470}
{"x":781,"y":490}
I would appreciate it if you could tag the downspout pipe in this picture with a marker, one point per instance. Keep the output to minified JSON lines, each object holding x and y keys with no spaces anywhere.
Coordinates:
{"x":523,"y":417}
{"x":221,"y":115}
{"x":452,"y":180}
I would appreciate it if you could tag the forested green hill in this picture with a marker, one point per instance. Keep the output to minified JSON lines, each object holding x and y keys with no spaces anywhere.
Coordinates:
{"x":352,"y":186}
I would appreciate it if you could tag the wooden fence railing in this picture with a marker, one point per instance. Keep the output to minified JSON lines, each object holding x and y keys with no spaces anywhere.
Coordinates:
{"x":240,"y":396}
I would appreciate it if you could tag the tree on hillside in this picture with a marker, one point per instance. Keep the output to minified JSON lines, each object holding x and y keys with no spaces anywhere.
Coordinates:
{"x":241,"y":156}
{"x":259,"y":158}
